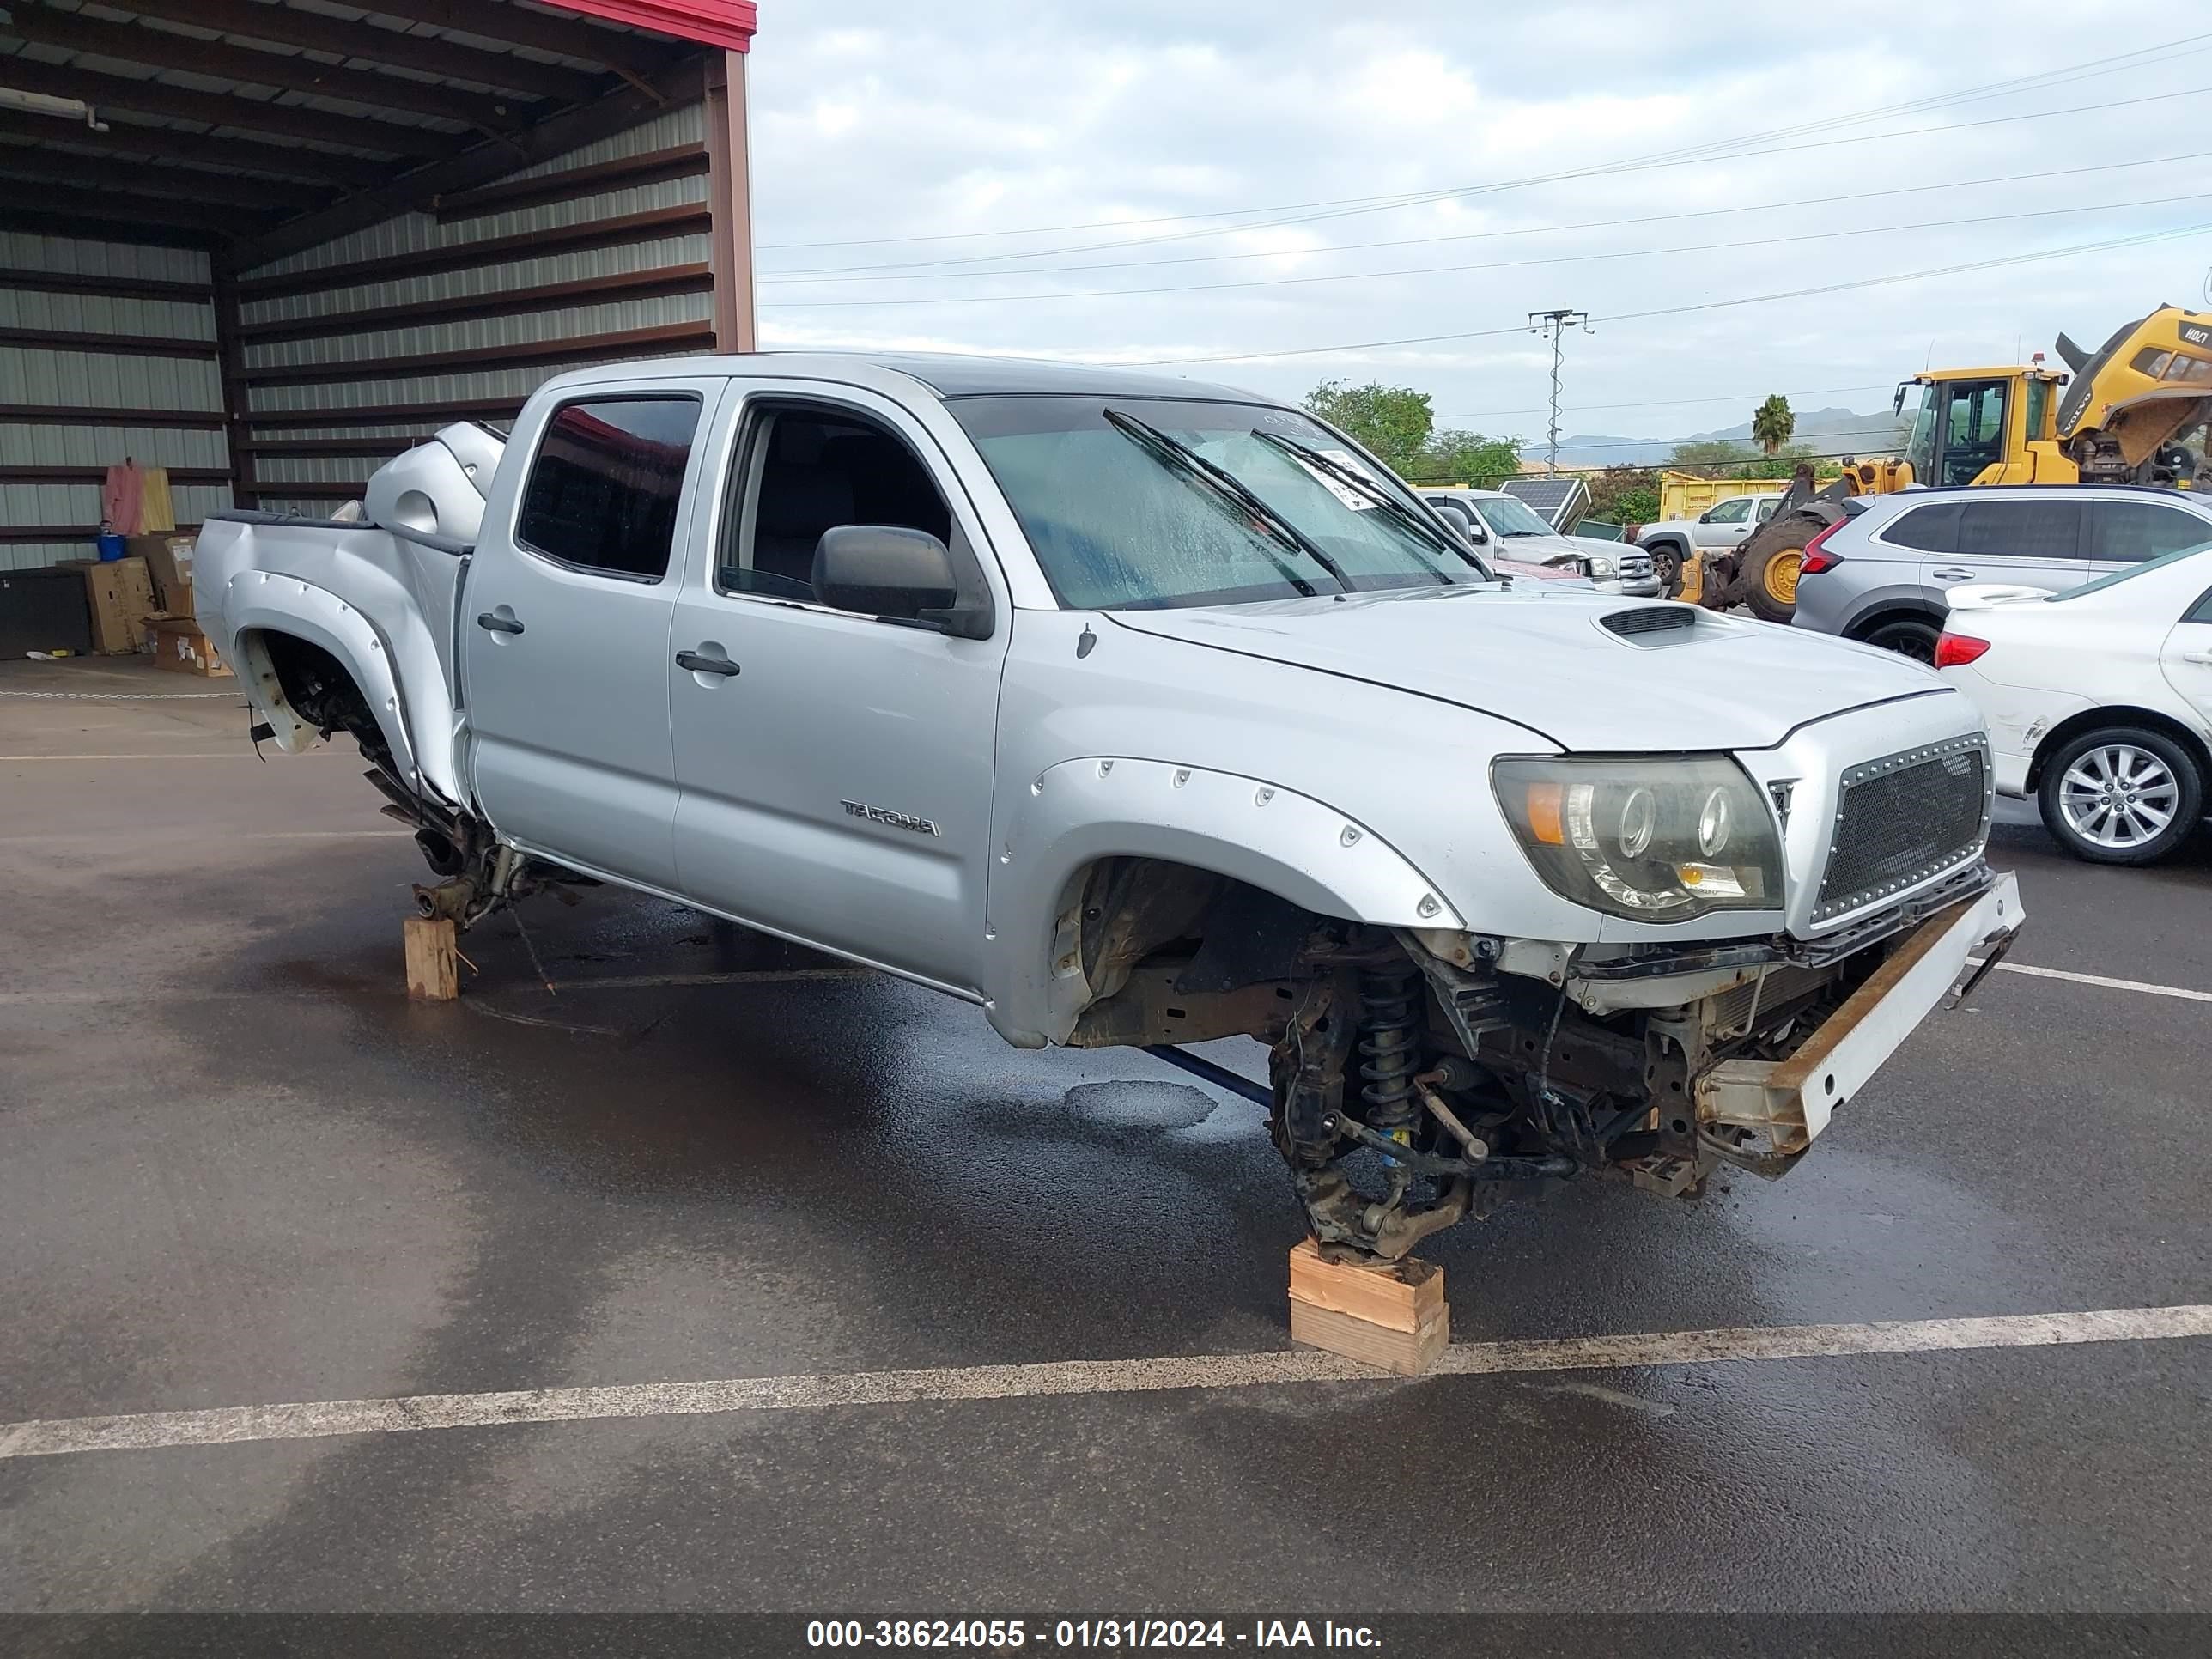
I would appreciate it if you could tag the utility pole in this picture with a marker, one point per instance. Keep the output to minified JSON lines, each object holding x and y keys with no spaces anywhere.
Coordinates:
{"x":1551,"y":324}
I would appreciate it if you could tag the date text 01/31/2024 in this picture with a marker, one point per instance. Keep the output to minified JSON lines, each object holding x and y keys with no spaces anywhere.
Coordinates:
{"x":1009,"y":1635}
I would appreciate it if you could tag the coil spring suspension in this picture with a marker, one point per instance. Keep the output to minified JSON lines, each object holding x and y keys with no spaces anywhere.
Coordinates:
{"x":1389,"y":1047}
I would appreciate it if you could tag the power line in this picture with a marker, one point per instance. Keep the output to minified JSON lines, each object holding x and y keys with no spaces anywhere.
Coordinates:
{"x":1874,"y":445}
{"x":1592,"y":172}
{"x":1685,"y":310}
{"x":1493,"y":264}
{"x":2186,"y":45}
{"x":1495,"y":235}
{"x":1670,"y":403}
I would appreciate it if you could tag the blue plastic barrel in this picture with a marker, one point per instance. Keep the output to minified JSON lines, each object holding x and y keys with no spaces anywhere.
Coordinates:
{"x":111,"y":545}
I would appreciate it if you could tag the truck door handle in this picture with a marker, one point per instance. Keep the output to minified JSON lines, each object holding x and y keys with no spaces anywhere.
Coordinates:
{"x":2203,"y":657}
{"x":1953,"y":575}
{"x":492,"y":622}
{"x":699,"y":665}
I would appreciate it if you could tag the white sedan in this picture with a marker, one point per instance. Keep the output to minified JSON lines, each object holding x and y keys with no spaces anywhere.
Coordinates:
{"x":2098,"y":701}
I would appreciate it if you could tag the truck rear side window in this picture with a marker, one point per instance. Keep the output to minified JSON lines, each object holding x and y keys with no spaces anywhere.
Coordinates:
{"x":604,"y":484}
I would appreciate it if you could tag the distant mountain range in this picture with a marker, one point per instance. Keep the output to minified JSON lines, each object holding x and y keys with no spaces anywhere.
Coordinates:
{"x":1827,"y":430}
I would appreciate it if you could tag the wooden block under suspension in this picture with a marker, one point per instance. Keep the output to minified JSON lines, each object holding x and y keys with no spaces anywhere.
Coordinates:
{"x":1388,"y":1313}
{"x":432,"y":974}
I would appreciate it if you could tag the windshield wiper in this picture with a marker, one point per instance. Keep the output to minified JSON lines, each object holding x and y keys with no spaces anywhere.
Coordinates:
{"x":1398,"y":512}
{"x":1228,"y":488}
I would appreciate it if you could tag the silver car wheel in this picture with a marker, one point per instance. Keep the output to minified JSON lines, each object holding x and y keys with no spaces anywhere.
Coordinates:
{"x":2119,"y":796}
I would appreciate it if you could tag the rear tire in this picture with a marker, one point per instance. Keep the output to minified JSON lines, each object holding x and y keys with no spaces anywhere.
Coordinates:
{"x":2120,"y":794}
{"x":1909,"y":636}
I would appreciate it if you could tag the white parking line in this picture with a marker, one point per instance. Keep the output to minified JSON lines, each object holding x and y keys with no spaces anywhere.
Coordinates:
{"x":2142,"y":987}
{"x":228,"y":1426}
{"x":783,"y":975}
{"x":742,"y":976}
{"x":83,"y":836}
{"x":619,"y":981}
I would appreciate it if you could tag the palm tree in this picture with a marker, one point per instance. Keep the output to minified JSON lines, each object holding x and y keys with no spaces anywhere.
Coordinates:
{"x":1772,"y":422}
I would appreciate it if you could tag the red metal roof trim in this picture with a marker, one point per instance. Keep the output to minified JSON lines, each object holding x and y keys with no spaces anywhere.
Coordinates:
{"x":729,"y":23}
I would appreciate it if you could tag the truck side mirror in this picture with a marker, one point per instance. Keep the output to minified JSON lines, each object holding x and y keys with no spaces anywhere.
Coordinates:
{"x":883,"y":570}
{"x":899,"y":575}
{"x":1706,"y":517}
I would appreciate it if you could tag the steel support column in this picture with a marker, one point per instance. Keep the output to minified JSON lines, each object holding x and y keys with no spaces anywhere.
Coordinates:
{"x":729,"y":198}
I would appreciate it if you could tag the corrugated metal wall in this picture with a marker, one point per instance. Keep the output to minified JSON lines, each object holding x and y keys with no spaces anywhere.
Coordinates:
{"x":351,"y":350}
{"x":49,"y":463}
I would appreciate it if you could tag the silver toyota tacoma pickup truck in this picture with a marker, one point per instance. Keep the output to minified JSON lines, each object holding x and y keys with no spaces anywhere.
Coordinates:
{"x":1138,"y":711}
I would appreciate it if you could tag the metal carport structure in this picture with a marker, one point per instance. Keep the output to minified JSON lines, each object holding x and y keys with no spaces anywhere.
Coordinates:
{"x":265,"y":244}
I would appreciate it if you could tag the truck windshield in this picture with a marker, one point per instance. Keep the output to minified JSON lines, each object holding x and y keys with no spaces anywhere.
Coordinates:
{"x":1120,"y":520}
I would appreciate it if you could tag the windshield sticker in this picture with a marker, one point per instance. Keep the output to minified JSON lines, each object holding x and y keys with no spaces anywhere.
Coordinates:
{"x":1336,"y":487}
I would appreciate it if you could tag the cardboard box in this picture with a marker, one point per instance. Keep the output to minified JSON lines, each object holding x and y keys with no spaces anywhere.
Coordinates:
{"x":180,"y":646}
{"x":119,"y":593}
{"x":169,"y":561}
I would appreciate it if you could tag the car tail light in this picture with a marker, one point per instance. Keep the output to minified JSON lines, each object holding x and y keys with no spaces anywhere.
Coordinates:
{"x":1817,"y":558}
{"x":1957,"y":650}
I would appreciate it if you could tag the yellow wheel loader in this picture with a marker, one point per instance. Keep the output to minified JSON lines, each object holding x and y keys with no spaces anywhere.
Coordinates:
{"x":2119,"y":417}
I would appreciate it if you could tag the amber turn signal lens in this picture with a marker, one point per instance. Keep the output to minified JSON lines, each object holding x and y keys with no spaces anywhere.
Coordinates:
{"x":1545,"y":801}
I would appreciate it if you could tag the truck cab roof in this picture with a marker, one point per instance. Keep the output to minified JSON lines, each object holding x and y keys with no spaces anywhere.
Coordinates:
{"x":945,"y":374}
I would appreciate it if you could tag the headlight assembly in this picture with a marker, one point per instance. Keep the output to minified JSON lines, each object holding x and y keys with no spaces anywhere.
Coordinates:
{"x":1603,"y":569}
{"x":1663,"y":839}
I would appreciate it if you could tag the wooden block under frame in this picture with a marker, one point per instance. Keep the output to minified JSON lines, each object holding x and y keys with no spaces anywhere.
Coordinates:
{"x":1392,"y":1314}
{"x":433,"y":967}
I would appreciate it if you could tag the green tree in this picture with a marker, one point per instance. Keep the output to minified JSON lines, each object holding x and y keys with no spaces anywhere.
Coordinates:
{"x":1453,"y":456}
{"x":1625,"y":495}
{"x":1782,"y":463}
{"x":1772,"y":422}
{"x":1712,"y":457}
{"x":1392,"y":421}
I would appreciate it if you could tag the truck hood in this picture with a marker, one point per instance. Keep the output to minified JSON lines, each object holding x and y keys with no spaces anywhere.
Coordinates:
{"x":1543,"y":660}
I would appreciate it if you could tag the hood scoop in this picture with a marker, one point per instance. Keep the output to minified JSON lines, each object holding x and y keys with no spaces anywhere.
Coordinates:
{"x":1650,"y":619}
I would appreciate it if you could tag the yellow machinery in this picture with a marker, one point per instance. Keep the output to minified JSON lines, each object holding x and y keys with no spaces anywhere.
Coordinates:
{"x":2119,"y":417}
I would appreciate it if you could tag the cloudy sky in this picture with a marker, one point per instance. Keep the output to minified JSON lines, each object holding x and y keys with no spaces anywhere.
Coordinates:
{"x":990,"y":155}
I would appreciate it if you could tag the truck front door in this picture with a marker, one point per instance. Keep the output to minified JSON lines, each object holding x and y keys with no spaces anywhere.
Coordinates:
{"x":565,"y":630}
{"x":1724,"y":524}
{"x":835,"y":768}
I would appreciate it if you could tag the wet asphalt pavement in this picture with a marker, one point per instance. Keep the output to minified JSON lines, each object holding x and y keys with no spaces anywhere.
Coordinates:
{"x":237,"y":1166}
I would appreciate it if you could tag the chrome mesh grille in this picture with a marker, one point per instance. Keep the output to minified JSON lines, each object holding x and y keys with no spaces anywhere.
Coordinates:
{"x":1903,"y":818}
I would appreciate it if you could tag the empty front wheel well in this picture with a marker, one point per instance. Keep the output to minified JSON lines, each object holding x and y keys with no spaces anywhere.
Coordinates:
{"x":2093,"y":719}
{"x":1169,"y":952}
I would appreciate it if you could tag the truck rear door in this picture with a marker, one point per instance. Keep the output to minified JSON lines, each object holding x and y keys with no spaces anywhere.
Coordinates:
{"x":567,"y":611}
